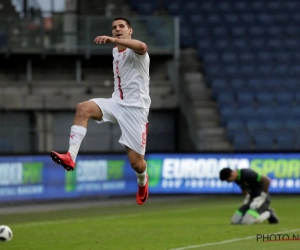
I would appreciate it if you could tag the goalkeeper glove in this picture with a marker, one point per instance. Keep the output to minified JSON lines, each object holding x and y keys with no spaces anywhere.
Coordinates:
{"x":258,"y":201}
{"x":246,"y":200}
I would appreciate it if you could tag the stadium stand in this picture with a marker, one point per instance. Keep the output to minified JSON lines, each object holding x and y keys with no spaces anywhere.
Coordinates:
{"x":239,"y":69}
{"x":249,"y":54}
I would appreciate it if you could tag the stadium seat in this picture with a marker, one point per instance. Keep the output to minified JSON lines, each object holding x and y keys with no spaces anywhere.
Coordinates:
{"x":242,"y":142}
{"x":291,"y":5}
{"x":295,"y":111}
{"x":264,"y":99}
{"x":225,"y":7}
{"x":263,"y":140}
{"x":274,"y":5}
{"x":239,"y":85}
{"x":229,"y":57}
{"x":219,"y":86}
{"x":265,"y":112}
{"x":226,"y":99}
{"x":211,"y":58}
{"x":190,"y":7}
{"x":283,"y":112}
{"x":230,"y":18}
{"x":202,"y":33}
{"x":274,"y":123}
{"x":195,"y":20}
{"x":264,"y":56}
{"x":253,"y":124}
{"x":245,"y":99}
{"x":246,"y":57}
{"x":239,"y":6}
{"x":228,"y":115}
{"x":145,"y":9}
{"x":256,"y":31}
{"x":284,"y":98}
{"x":239,"y":44}
{"x":174,"y":8}
{"x":245,"y":113}
{"x":214,"y":19}
{"x":235,"y":123}
{"x":238,"y":31}
{"x":257,"y":85}
{"x":257,"y":43}
{"x":292,"y":123}
{"x":286,"y":140}
{"x":248,"y":18}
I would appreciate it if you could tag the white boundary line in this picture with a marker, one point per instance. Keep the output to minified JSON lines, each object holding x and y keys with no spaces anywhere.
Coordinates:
{"x":229,"y":241}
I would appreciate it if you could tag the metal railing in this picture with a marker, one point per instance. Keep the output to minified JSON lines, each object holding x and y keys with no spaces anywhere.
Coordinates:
{"x":71,"y":34}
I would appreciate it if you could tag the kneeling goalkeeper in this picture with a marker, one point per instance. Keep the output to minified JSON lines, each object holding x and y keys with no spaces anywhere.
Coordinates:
{"x":255,"y":187}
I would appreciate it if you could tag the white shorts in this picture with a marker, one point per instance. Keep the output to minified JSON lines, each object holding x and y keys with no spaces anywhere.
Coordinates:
{"x":133,"y":122}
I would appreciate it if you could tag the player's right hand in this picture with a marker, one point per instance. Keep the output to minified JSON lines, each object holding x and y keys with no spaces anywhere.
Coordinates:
{"x":104,"y":39}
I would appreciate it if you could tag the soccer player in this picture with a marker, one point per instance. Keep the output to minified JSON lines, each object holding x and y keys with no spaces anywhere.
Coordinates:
{"x":255,"y":187}
{"x":129,"y":105}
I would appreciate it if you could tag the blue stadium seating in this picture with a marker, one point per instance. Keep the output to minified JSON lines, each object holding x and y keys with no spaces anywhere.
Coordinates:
{"x":263,"y":140}
{"x":242,"y":142}
{"x":251,"y":61}
{"x":286,"y":140}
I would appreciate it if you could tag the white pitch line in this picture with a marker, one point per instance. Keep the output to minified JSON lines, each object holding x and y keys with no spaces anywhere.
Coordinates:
{"x":229,"y":241}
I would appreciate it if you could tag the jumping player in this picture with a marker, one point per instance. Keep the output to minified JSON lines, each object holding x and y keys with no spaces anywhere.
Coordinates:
{"x":129,"y":105}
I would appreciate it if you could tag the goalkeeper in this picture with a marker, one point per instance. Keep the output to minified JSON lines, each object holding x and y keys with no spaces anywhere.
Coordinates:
{"x":255,"y":187}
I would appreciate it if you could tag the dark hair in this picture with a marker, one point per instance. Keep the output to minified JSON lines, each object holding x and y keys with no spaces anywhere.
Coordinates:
{"x":225,"y":174}
{"x":124,"y":19}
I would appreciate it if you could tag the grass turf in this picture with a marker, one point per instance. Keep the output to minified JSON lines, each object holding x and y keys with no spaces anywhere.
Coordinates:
{"x":193,"y":222}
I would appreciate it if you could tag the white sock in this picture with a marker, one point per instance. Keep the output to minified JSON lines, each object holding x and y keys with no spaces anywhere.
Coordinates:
{"x":141,"y":178}
{"x":76,"y":136}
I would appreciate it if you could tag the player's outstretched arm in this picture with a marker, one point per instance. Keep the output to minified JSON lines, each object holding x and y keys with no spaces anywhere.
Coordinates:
{"x":136,"y":45}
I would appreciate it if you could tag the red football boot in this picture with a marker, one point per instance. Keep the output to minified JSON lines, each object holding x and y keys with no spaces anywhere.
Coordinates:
{"x":63,"y":159}
{"x":142,"y":194}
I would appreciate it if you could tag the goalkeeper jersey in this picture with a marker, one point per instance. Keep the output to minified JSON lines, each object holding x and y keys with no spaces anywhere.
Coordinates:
{"x":250,"y":181}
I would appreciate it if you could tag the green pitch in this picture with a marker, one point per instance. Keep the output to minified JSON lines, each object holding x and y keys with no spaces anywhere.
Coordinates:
{"x":193,"y":222}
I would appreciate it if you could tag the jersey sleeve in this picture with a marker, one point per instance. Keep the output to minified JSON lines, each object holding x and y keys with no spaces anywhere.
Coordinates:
{"x":249,"y":175}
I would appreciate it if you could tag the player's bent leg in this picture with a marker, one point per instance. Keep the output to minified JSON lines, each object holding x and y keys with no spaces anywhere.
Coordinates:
{"x":84,"y":111}
{"x":239,"y":214}
{"x":249,"y":218}
{"x":237,"y":217}
{"x":138,"y":163}
{"x":263,"y":217}
{"x":254,"y":217}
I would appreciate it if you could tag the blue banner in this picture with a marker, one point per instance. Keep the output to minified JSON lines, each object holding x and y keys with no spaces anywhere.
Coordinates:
{"x":39,"y":178}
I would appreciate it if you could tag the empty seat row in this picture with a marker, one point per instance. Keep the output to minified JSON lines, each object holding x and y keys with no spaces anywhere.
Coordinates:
{"x":237,"y":31}
{"x":262,"y":70}
{"x":262,"y":139}
{"x":254,"y":85}
{"x":246,"y":99}
{"x":279,"y":56}
{"x":245,"y":117}
{"x":208,"y":44}
{"x":245,"y":18}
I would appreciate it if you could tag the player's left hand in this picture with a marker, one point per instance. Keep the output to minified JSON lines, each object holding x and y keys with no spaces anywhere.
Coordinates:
{"x":258,"y":201}
{"x":104,"y":39}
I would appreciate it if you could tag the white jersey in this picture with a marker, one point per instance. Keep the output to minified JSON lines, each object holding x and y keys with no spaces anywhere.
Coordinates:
{"x":131,"y":78}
